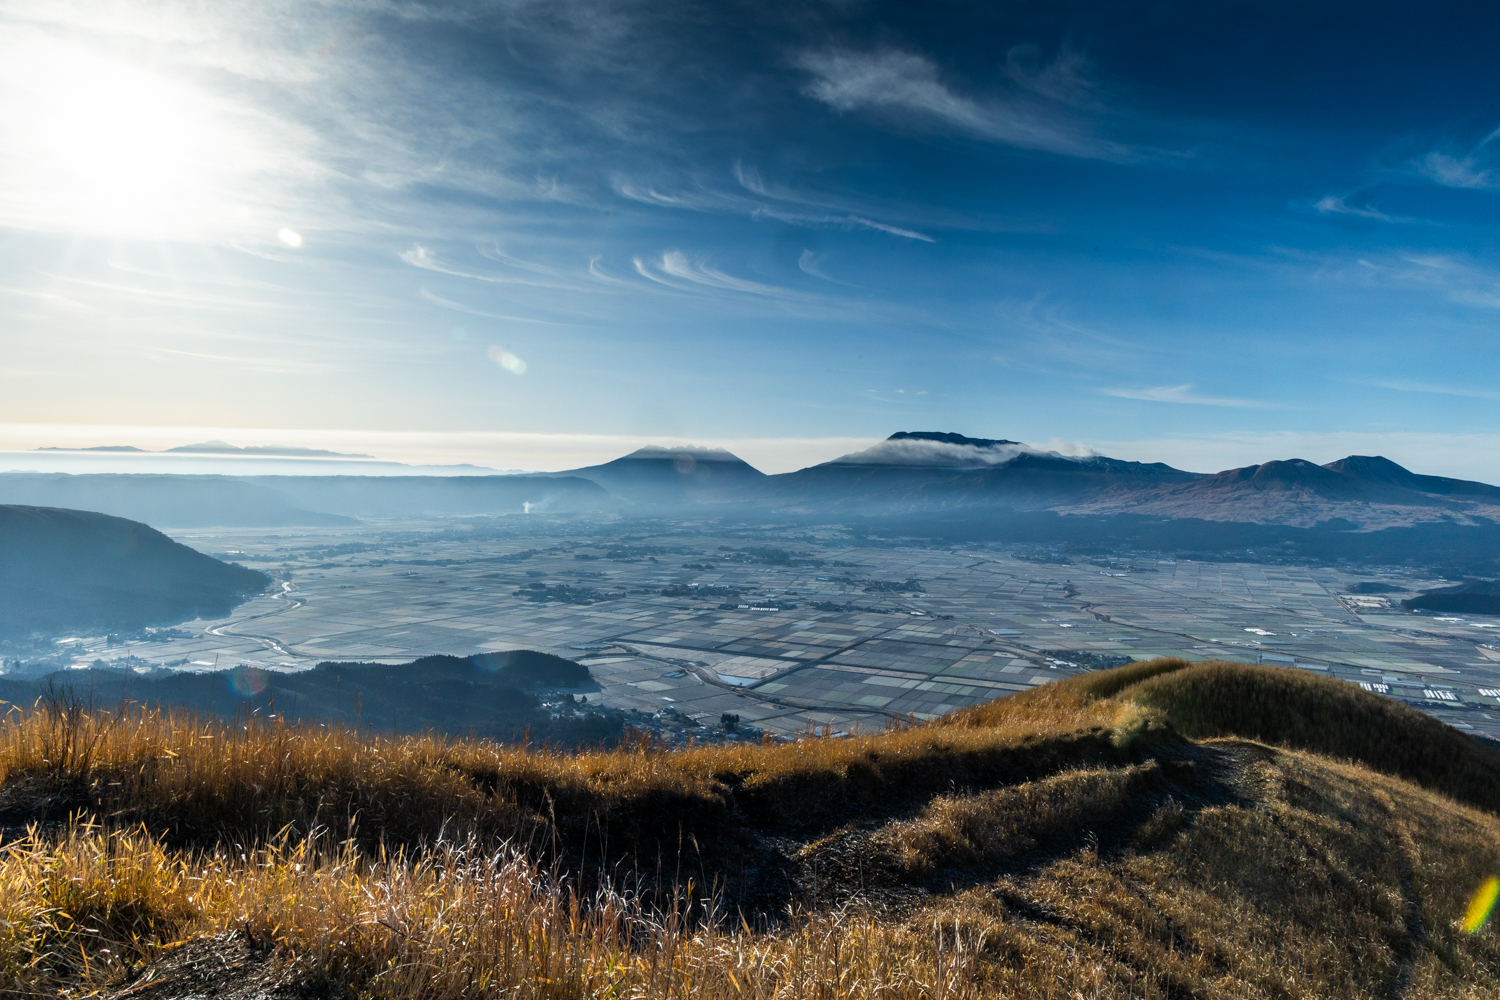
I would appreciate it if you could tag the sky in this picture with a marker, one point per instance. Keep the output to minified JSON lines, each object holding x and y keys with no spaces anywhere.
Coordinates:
{"x":538,"y":234}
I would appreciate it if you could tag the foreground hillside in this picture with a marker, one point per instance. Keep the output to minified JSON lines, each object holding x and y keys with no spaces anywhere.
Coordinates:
{"x":1163,"y":830}
{"x":62,"y":570}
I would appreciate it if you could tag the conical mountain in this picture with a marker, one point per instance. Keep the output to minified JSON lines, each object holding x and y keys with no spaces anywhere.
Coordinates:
{"x":675,"y":476}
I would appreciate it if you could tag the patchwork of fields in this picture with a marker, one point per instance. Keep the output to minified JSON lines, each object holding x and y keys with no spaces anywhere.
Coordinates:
{"x":805,"y":627}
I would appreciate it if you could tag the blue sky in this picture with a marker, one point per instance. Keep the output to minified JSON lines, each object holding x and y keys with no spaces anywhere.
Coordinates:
{"x":1207,"y":234}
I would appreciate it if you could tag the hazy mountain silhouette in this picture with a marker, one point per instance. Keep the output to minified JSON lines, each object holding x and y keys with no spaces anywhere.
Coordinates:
{"x":663,"y":476}
{"x":67,"y":570}
{"x":1368,"y":492}
{"x":174,"y":501}
{"x":286,"y":451}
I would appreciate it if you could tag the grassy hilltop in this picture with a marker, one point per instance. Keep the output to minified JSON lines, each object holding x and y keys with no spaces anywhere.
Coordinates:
{"x":1163,"y":830}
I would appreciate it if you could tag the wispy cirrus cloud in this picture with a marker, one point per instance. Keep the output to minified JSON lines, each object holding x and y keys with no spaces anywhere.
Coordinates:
{"x":173,"y":295}
{"x":1453,"y":277}
{"x":841,"y":221}
{"x":1455,"y":171}
{"x":427,"y":260}
{"x":1475,"y":168}
{"x":812,"y":263}
{"x":438,"y":300}
{"x":674,"y":267}
{"x":781,"y":205}
{"x":751,"y":180}
{"x":271,"y":365}
{"x":1402,"y":385}
{"x":1044,"y":111}
{"x":1185,"y":394}
{"x":1337,"y":204}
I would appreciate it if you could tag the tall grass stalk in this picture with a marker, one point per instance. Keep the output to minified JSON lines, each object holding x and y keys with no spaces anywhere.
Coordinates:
{"x":455,"y":920}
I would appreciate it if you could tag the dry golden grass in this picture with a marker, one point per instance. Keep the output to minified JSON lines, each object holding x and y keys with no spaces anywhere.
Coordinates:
{"x":455,"y":921}
{"x":1066,"y":842}
{"x":1277,"y":705}
{"x":1010,"y":822}
{"x":1334,"y":883}
{"x":197,"y":781}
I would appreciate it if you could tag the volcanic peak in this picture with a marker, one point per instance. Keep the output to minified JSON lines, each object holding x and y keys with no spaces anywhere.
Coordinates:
{"x":935,"y":450}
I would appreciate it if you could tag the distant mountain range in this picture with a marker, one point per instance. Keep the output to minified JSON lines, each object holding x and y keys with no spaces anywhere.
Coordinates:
{"x":217,"y":448}
{"x":1364,"y":491}
{"x":929,"y":472}
{"x":910,"y":474}
{"x":63,"y":570}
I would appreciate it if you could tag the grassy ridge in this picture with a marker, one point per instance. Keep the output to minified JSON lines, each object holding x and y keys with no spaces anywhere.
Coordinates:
{"x":1283,"y":707}
{"x":199,"y":782}
{"x":1113,"y":835}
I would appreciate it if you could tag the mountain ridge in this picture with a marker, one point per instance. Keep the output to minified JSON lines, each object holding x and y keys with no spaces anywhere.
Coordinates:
{"x":909,"y":473}
{"x":62,"y":570}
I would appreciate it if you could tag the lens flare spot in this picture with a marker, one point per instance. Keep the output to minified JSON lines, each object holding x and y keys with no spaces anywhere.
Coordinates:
{"x":506,"y":360}
{"x":685,"y":463}
{"x":247,"y":681}
{"x":1482,"y":905}
{"x":490,"y":662}
{"x":290,"y":237}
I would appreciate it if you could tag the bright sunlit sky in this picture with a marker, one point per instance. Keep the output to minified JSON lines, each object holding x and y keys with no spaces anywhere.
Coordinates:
{"x":531,"y":234}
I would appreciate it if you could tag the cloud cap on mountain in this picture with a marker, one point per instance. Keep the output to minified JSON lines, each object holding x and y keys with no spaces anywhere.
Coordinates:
{"x":936,"y":449}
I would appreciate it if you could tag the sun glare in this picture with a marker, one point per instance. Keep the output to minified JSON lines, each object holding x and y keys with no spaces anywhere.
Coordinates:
{"x":101,"y":146}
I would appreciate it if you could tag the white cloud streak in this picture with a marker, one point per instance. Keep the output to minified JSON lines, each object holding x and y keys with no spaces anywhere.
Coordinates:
{"x":176,"y":296}
{"x":1184,"y":394}
{"x":1456,"y":279}
{"x":438,"y":300}
{"x":1475,"y":169}
{"x":1043,"y":117}
{"x":1331,"y":204}
{"x":767,"y":205}
{"x":678,"y":265}
{"x":1456,"y":172}
{"x":1437,"y":390}
{"x":676,"y":270}
{"x":938,"y":454}
{"x":812,"y":263}
{"x":421,"y":256}
{"x":274,"y":366}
